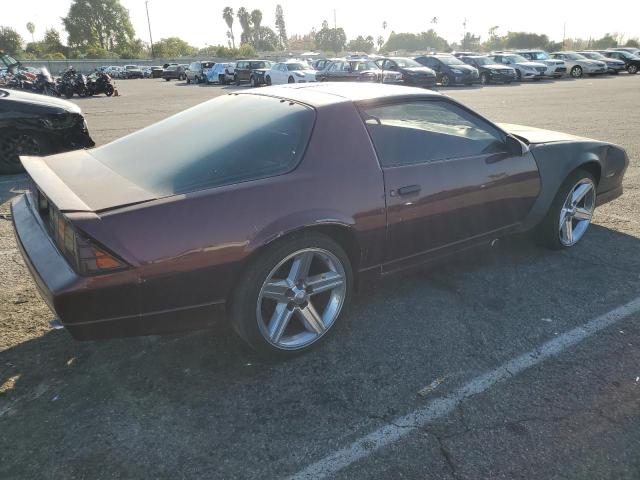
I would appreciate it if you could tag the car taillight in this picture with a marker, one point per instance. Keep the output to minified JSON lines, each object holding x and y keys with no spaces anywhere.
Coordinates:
{"x":82,"y":253}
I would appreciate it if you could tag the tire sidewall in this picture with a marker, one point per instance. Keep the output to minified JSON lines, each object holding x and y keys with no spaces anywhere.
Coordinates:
{"x":245,"y":298}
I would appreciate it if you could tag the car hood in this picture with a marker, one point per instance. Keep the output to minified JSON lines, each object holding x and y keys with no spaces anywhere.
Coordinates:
{"x":420,"y":70}
{"x":533,"y":135}
{"x":531,"y":64}
{"x":39,"y":101}
{"x":77,"y":182}
{"x":497,"y":67}
{"x":464,"y":68}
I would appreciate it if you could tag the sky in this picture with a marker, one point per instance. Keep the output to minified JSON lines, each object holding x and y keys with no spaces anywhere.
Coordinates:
{"x":200,"y":22}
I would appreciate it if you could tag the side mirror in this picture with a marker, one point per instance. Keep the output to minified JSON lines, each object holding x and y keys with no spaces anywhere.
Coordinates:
{"x":514,"y":146}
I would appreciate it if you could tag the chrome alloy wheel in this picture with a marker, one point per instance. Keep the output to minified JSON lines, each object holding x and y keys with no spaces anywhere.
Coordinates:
{"x":301,"y":298}
{"x":576,"y":212}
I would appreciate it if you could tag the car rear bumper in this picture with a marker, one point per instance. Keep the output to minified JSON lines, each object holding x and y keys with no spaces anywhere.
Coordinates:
{"x":96,"y":307}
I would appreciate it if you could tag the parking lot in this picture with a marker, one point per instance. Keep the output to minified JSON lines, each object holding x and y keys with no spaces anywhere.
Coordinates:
{"x":515,"y":363}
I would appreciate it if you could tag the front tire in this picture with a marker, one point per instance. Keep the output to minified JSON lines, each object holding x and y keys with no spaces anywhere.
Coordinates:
{"x":291,"y":80}
{"x":292,"y":295}
{"x":576,"y":72}
{"x":484,"y":78}
{"x":268,"y":80}
{"x":570,"y":213}
{"x":632,"y":69}
{"x":446,"y":81}
{"x":14,"y":143}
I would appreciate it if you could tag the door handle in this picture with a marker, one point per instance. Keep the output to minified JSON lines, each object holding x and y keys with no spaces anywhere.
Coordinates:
{"x":409,"y":190}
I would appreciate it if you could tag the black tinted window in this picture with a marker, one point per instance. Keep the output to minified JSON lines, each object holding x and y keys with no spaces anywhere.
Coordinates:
{"x":190,"y":151}
{"x":428,"y":131}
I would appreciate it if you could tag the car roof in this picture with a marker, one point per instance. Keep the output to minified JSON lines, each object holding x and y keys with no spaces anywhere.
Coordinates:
{"x":327,"y":93}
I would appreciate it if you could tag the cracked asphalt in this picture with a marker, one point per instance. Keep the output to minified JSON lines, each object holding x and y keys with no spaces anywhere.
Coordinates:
{"x":202,"y":406}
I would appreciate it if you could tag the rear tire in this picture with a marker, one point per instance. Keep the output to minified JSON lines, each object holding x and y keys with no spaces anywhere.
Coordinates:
{"x":484,"y":78}
{"x":254,"y":314}
{"x":548,"y":233}
{"x":291,"y":80}
{"x":576,"y":72}
{"x":268,"y":80}
{"x":632,"y":69}
{"x":446,"y":81}
{"x":236,"y":79}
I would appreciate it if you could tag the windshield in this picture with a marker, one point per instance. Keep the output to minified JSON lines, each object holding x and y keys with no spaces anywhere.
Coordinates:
{"x":594,"y":55}
{"x":184,"y":154}
{"x":406,"y":63}
{"x":484,"y":61}
{"x":516,"y":58}
{"x":539,"y":56}
{"x":362,"y":66}
{"x":450,"y":61}
{"x":575,"y":56}
{"x":131,"y":67}
{"x":627,"y":55}
{"x":297,"y":66}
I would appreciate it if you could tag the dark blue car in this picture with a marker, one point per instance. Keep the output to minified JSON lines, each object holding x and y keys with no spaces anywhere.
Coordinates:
{"x":449,"y":70}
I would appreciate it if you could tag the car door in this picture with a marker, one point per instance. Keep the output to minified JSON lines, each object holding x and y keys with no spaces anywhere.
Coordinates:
{"x":333,"y":72}
{"x":436,"y":66}
{"x":451,"y":178}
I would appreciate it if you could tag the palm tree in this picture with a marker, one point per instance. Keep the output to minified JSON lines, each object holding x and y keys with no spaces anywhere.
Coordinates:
{"x":384,"y":25}
{"x":380,"y":42}
{"x":32,"y":28}
{"x":245,"y":24}
{"x":256,"y":19}
{"x":227,"y":15}
{"x":434,"y":20}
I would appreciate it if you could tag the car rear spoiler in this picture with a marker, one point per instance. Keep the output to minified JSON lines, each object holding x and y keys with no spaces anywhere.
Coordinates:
{"x":77,"y":182}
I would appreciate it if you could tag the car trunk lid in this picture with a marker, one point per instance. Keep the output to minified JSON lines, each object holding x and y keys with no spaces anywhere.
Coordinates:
{"x":77,"y":182}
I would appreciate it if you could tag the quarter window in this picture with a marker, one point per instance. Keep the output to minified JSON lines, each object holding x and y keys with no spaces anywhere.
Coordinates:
{"x":429,"y":131}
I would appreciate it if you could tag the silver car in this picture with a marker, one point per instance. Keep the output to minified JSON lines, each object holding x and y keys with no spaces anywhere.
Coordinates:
{"x":613,"y":65}
{"x":578,"y":64}
{"x":525,"y":70}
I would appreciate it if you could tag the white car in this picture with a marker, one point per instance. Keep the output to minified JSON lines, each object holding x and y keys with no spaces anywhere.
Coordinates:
{"x":555,"y":68}
{"x":290,"y":72}
{"x":114,"y":71}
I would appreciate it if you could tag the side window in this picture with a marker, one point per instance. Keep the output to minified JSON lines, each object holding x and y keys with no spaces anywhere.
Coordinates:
{"x":432,"y":62}
{"x":429,"y":131}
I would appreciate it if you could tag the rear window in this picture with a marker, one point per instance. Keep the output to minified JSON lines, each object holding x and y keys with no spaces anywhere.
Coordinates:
{"x":193,"y":151}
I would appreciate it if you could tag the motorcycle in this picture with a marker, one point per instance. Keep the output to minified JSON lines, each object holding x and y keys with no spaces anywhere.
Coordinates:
{"x":40,"y":82}
{"x":72,"y":83}
{"x":44,"y":84}
{"x":99,"y":82}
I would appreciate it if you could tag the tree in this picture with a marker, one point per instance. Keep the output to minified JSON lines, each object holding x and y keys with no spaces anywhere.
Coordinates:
{"x":411,"y":42}
{"x":282,"y":29}
{"x":227,"y":15}
{"x":173,"y":47}
{"x":494,"y":42}
{"x":245,"y":23}
{"x":608,"y":41}
{"x":31,"y":28}
{"x":331,"y":39}
{"x":525,"y":40}
{"x":470,"y":42}
{"x":256,"y":22}
{"x":361,"y":44}
{"x":102,"y":23}
{"x":633,"y":43}
{"x":303,"y":42}
{"x":10,"y":41}
{"x":380,"y":42}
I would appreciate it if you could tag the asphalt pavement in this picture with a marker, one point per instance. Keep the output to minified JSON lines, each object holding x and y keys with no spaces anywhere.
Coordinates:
{"x":514,"y":363}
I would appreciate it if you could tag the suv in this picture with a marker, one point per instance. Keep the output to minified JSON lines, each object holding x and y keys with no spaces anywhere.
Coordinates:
{"x":197,"y":71}
{"x":174,"y":72}
{"x":132,"y":71}
{"x":555,"y":68}
{"x":449,"y":70}
{"x":250,"y":71}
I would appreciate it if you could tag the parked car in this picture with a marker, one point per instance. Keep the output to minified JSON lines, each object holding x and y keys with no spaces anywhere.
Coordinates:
{"x":32,"y":124}
{"x":525,"y":69}
{"x":244,"y":69}
{"x":413,"y":73}
{"x":631,"y":62}
{"x":631,"y":50}
{"x":197,"y":71}
{"x":290,"y":71}
{"x":322,"y":63}
{"x":555,"y":68}
{"x":115,"y":71}
{"x":156,"y":71}
{"x":132,"y":71}
{"x":174,"y":72}
{"x":490,"y":71}
{"x":614,"y":65}
{"x":258,"y":75}
{"x":449,"y":70}
{"x":466,"y":54}
{"x":259,"y":216}
{"x":357,"y":71}
{"x":578,"y":64}
{"x":217,"y":74}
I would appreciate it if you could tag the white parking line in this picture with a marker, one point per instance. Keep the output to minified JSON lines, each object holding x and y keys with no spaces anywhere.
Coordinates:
{"x":403,"y":426}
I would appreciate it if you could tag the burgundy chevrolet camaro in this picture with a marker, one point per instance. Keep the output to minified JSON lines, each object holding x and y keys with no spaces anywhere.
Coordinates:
{"x":274,"y":216}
